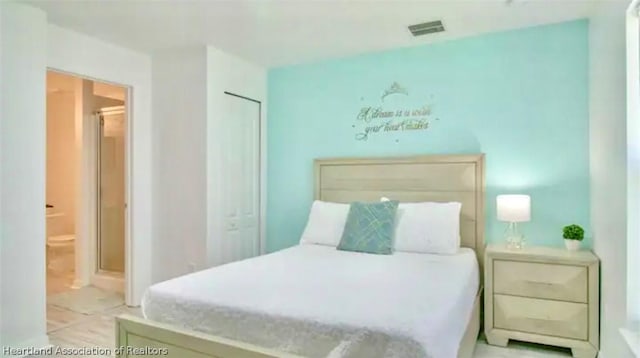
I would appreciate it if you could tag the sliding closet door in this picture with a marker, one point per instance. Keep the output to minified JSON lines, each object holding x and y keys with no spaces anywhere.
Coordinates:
{"x":241,"y":178}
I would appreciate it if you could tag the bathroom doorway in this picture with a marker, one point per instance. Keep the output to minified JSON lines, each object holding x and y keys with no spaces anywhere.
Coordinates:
{"x":86,"y":187}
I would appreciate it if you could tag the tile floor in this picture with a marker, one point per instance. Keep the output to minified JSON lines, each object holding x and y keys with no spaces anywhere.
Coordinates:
{"x":60,"y":269}
{"x":71,"y":324}
{"x":58,"y":281}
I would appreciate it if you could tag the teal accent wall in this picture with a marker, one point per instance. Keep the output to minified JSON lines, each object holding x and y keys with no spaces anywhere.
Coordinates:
{"x":520,"y":97}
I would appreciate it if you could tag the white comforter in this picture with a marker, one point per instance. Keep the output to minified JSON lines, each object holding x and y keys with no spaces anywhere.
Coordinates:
{"x":317,"y":301}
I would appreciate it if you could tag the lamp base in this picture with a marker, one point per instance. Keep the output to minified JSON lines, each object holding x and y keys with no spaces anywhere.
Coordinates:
{"x":515,"y":240}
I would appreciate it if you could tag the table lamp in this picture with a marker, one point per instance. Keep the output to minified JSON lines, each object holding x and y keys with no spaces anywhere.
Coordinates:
{"x":514,"y":209}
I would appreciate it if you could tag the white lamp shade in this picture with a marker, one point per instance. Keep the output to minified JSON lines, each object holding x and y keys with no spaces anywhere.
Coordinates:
{"x":514,"y":208}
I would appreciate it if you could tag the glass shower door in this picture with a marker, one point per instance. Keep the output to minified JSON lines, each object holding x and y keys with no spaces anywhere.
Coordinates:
{"x":111,"y":190}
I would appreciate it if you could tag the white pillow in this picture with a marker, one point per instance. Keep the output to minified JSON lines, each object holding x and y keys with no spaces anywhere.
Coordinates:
{"x":428,"y":227}
{"x":326,"y":223}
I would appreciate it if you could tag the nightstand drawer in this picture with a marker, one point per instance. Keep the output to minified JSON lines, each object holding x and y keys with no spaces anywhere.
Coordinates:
{"x":540,"y":280}
{"x":550,"y":318}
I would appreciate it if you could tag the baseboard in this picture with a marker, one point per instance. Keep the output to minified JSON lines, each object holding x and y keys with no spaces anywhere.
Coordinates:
{"x":108,"y":281}
{"x":33,"y":346}
{"x":633,"y":340}
{"x":77,"y":284}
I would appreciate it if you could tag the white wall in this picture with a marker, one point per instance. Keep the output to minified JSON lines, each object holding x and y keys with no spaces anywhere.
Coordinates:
{"x":226,"y":72}
{"x":61,"y":161}
{"x":1,"y":141}
{"x":633,"y":164}
{"x":23,"y":36}
{"x":608,"y":155}
{"x":179,"y":147}
{"x":82,"y":55}
{"x":188,"y":87}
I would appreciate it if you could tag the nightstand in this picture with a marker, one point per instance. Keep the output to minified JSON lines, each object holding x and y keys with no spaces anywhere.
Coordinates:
{"x":542,"y":295}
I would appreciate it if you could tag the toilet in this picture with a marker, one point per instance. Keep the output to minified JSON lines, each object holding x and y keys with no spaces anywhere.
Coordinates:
{"x":60,"y":247}
{"x":60,"y":252}
{"x":61,"y":240}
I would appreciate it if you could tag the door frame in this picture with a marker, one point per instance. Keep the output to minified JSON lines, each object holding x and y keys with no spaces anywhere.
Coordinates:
{"x":77,"y":53}
{"x":86,"y":193}
{"x":103,"y":278}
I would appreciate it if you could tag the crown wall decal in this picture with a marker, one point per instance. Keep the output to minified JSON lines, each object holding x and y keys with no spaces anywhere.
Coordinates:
{"x":394,"y":89}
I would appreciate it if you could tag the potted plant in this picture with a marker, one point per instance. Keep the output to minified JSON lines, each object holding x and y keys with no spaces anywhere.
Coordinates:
{"x":572,"y":234}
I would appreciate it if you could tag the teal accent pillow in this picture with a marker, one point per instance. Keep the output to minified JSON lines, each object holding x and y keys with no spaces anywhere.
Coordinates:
{"x":370,"y":227}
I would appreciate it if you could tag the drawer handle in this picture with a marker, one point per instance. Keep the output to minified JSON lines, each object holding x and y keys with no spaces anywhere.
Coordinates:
{"x":539,"y":283}
{"x":545,"y":320}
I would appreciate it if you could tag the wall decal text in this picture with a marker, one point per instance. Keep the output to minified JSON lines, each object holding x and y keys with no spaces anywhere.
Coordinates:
{"x":388,"y":118}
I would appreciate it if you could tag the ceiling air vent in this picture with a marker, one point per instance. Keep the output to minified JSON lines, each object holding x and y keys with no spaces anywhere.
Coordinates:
{"x":426,"y":28}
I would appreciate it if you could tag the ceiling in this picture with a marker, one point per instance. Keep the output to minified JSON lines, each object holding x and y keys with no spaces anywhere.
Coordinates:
{"x":59,"y":82}
{"x":277,"y":32}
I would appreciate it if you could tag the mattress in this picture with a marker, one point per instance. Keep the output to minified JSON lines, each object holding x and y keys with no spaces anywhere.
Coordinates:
{"x":317,"y":301}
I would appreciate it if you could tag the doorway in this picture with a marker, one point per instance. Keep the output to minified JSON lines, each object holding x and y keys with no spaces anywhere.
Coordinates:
{"x":87,"y":156}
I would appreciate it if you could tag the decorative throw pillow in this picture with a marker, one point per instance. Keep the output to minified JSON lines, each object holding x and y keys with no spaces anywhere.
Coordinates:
{"x":370,"y":227}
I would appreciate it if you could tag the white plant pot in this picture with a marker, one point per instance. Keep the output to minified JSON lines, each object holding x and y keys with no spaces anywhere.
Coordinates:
{"x":572,"y":245}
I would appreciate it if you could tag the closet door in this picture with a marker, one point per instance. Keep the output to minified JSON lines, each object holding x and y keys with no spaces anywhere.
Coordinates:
{"x":241,"y":178}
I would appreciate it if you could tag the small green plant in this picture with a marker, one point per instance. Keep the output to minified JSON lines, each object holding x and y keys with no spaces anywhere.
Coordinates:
{"x":573,"y":232}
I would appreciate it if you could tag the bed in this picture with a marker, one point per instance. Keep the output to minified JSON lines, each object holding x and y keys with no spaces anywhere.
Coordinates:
{"x":316,"y":301}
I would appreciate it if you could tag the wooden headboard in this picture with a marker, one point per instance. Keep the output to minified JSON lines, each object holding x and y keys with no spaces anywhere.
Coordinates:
{"x":410,"y":179}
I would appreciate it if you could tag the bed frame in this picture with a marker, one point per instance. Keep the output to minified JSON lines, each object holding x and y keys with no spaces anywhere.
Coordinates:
{"x":409,"y":179}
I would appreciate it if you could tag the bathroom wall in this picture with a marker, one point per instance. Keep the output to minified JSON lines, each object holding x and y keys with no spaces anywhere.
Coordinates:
{"x":61,"y":159}
{"x":102,"y":102}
